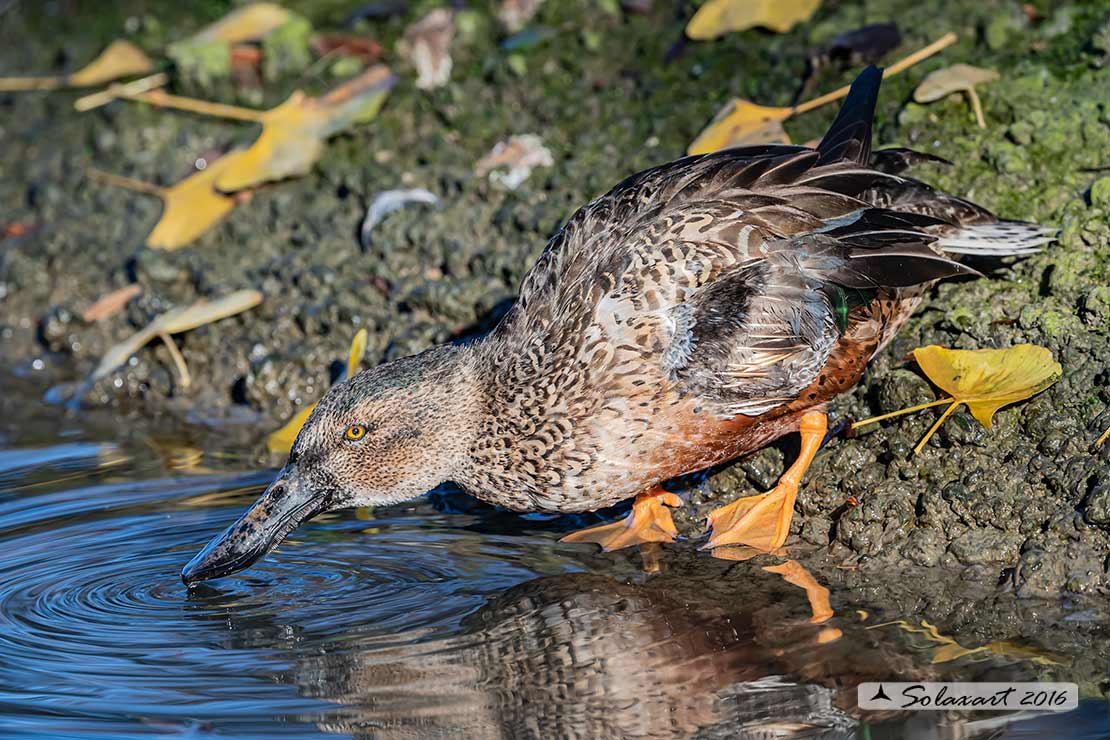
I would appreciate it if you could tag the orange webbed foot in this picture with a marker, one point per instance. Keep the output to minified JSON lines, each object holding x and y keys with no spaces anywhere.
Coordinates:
{"x":650,"y":521}
{"x":763,"y":521}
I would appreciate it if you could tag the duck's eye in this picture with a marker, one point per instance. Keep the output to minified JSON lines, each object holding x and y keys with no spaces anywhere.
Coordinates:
{"x":355,"y":432}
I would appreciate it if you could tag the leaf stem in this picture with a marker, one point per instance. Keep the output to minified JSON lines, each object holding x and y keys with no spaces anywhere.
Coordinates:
{"x":129,"y":183}
{"x":13,"y":84}
{"x":161,"y":99}
{"x":899,"y":412}
{"x":900,"y":66}
{"x":932,"y":430}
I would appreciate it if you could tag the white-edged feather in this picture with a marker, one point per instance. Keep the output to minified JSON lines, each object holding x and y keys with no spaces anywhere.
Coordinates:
{"x":1000,"y":239}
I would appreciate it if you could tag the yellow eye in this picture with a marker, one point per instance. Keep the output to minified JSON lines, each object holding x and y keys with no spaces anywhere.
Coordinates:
{"x":356,"y":432}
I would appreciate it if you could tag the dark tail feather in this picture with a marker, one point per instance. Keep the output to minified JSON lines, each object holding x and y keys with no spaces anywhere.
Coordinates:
{"x":849,"y":137}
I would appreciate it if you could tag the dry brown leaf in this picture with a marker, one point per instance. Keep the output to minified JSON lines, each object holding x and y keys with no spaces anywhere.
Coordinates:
{"x":957,"y":78}
{"x":718,"y":17}
{"x":294,"y":132}
{"x":110,"y":304}
{"x":427,"y":44}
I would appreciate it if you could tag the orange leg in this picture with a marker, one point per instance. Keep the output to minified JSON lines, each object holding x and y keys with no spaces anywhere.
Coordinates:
{"x":650,"y":521}
{"x":763,"y":521}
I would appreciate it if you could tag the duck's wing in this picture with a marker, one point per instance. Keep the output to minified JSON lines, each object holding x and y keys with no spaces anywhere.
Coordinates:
{"x":726,"y":272}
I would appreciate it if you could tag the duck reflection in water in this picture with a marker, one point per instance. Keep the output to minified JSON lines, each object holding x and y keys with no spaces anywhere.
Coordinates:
{"x":587,"y":656}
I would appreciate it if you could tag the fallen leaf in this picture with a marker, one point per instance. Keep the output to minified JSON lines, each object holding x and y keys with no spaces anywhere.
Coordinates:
{"x":248,"y":23}
{"x":520,"y":155}
{"x":984,"y":380}
{"x":388,"y":202}
{"x":1105,"y":436}
{"x":427,"y":44}
{"x":957,"y":78}
{"x":110,"y":304}
{"x":189,"y":208}
{"x":718,"y":17}
{"x":294,"y":132}
{"x":988,"y":379}
{"x":741,"y":122}
{"x":348,"y":45}
{"x":515,"y":14}
{"x":174,"y":321}
{"x":745,"y":122}
{"x":193,"y":206}
{"x":120,"y":59}
{"x":282,"y":440}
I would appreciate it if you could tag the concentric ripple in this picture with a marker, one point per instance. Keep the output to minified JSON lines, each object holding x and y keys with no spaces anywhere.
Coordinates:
{"x":96,"y":628}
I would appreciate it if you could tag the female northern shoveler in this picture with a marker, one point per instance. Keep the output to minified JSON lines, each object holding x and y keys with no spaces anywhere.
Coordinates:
{"x":696,"y":312}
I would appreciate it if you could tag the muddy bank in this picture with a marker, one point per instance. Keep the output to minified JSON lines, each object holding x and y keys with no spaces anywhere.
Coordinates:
{"x":1025,"y":506}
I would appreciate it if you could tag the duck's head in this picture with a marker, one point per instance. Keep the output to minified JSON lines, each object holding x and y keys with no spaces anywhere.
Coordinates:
{"x":386,"y":435}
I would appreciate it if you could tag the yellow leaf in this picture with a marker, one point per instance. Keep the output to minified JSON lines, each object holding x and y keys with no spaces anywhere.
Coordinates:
{"x":739,"y":123}
{"x":357,"y":352}
{"x":718,"y":17}
{"x":742,"y":122}
{"x":282,"y":440}
{"x":983,"y":379}
{"x":249,"y":23}
{"x":988,"y":379}
{"x":192,"y":206}
{"x":293,"y":133}
{"x":120,"y":59}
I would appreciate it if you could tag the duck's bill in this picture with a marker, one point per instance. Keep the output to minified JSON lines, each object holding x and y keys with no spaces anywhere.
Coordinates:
{"x":285,"y":505}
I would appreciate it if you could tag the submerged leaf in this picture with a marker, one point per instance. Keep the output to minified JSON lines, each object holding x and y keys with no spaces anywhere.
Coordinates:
{"x":988,"y":379}
{"x":294,"y":132}
{"x":983,"y":379}
{"x":120,"y":59}
{"x":282,"y":440}
{"x":718,"y":17}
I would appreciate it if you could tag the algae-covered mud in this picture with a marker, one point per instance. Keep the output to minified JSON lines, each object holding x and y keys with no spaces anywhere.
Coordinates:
{"x":998,"y":537}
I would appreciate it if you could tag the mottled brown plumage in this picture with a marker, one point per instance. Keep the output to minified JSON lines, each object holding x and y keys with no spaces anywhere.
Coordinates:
{"x":694,"y":313}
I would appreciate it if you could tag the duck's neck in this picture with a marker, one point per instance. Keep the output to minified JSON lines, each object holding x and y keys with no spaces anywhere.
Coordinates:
{"x":450,"y":404}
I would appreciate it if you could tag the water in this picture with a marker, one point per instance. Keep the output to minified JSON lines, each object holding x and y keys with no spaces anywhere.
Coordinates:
{"x":413,"y":621}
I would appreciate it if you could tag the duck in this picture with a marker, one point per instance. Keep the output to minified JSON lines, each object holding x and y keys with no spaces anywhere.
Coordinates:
{"x":698,"y":311}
